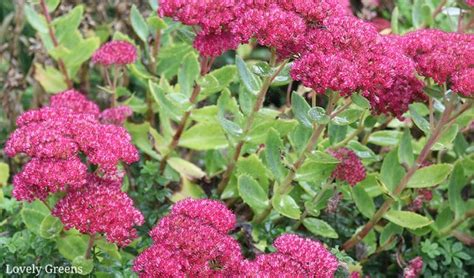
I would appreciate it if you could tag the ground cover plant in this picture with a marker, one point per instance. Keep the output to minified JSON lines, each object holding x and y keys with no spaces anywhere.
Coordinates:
{"x":227,"y":138}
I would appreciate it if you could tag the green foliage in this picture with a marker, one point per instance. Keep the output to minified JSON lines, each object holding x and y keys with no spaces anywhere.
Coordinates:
{"x":252,"y":193}
{"x":319,"y":228}
{"x":407,"y":219}
{"x":281,"y":174}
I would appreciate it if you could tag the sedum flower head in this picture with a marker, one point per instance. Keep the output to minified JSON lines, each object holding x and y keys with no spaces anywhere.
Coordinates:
{"x":210,"y":15}
{"x":315,"y":11}
{"x":438,"y":54}
{"x":270,"y":25}
{"x":100,"y":207}
{"x":413,"y":270}
{"x":75,"y":101}
{"x":193,"y":241}
{"x":213,"y":44}
{"x":350,"y":168}
{"x":209,"y":212}
{"x":115,"y":116}
{"x":54,"y":137}
{"x":348,"y":55}
{"x":297,"y":257}
{"x":195,"y":235}
{"x":42,"y":177}
{"x":115,"y":53}
{"x":159,"y":261}
{"x":463,"y":82}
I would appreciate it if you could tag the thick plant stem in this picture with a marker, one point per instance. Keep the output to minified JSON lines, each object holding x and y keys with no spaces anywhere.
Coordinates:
{"x":285,"y":186}
{"x":116,"y":71}
{"x":62,"y":66}
{"x":155,"y":49}
{"x":179,"y":131}
{"x":248,"y":126}
{"x":286,"y":183}
{"x":317,"y":131}
{"x":206,"y":64}
{"x":356,"y":238}
{"x":89,"y":247}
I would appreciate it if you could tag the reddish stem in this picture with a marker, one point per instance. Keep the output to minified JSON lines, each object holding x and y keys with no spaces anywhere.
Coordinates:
{"x":62,"y":66}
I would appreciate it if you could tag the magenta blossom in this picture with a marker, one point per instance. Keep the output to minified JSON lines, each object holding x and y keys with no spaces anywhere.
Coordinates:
{"x":194,"y":234}
{"x":270,"y":26}
{"x":316,"y":11}
{"x":210,"y":212}
{"x":438,"y":54}
{"x":42,"y":177}
{"x":350,"y":168}
{"x":212,"y":18}
{"x":297,"y":257}
{"x":100,"y":207}
{"x":348,"y":55}
{"x":413,"y":270}
{"x":75,"y":101}
{"x":193,"y":241}
{"x":115,"y":116}
{"x":115,"y":53}
{"x":214,"y":44}
{"x":65,"y":135}
{"x":54,"y":137}
{"x":463,"y":82}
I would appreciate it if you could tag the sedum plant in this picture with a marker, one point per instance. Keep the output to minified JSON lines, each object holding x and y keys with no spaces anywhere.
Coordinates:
{"x":241,"y":139}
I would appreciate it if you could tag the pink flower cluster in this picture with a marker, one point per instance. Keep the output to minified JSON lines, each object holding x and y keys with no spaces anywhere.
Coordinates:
{"x":413,"y":270}
{"x":59,"y":139}
{"x":100,"y":207}
{"x":348,"y":55}
{"x":470,"y":3}
{"x":296,"y":257}
{"x":212,"y":17}
{"x":194,"y":234}
{"x":115,"y":116}
{"x":334,"y":50}
{"x":223,"y":25}
{"x":193,"y":241}
{"x":424,"y":195}
{"x":463,"y":82}
{"x":350,"y":168}
{"x":69,"y":126}
{"x":115,"y":53}
{"x":444,"y":57}
{"x":41,"y":177}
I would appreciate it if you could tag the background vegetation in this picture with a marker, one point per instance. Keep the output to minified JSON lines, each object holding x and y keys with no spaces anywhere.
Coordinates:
{"x":159,"y":89}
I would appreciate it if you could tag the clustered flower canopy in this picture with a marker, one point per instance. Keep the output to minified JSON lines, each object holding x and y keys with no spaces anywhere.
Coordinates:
{"x":56,"y":138}
{"x":332,"y":49}
{"x":193,"y":241}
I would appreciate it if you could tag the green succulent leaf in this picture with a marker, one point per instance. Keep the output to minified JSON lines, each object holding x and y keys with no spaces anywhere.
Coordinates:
{"x":319,"y":227}
{"x":301,"y":108}
{"x":50,"y":227}
{"x":252,"y":193}
{"x":286,"y":206}
{"x":251,"y":82}
{"x":72,"y":245}
{"x":407,"y":219}
{"x":430,"y":176}
{"x":139,"y":24}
